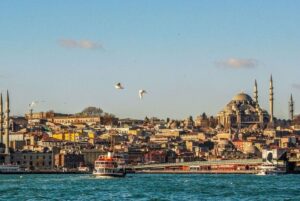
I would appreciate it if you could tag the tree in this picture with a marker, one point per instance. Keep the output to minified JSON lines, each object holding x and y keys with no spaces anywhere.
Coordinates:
{"x":168,"y":120}
{"x":91,"y":111}
{"x":146,"y":120}
{"x":109,"y":119}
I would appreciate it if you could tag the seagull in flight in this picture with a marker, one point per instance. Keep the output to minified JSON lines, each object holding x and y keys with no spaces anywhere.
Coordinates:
{"x":119,"y":86}
{"x":141,"y":93}
{"x":33,"y":103}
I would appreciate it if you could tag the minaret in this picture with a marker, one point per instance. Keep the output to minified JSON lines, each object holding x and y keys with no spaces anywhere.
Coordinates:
{"x":1,"y":119}
{"x":291,"y":107}
{"x":255,"y":93}
{"x":6,"y":138}
{"x":271,"y":100}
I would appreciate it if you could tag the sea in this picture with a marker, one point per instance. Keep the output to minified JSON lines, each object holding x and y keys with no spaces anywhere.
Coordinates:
{"x":152,"y":187}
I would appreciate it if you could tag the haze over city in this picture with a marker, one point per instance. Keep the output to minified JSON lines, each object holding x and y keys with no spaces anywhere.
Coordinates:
{"x":191,"y":57}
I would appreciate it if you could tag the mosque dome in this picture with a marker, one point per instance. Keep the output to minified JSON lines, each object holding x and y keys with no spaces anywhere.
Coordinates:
{"x":242,"y":97}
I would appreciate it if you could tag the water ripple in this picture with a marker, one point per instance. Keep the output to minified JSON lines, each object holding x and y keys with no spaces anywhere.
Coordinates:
{"x":150,"y":187}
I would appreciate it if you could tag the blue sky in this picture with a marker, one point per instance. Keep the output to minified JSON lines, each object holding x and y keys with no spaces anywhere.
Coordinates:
{"x":191,"y":56}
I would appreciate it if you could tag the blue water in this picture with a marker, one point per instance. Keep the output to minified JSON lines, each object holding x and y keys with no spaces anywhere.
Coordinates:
{"x":150,"y":187}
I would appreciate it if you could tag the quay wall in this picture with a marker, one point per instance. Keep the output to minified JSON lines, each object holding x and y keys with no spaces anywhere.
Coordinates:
{"x":198,"y":172}
{"x":242,"y":162}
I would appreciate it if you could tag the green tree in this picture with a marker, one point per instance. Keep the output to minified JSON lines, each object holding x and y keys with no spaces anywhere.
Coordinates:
{"x":91,"y":111}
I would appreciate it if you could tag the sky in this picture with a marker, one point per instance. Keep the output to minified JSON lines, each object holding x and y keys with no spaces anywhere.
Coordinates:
{"x":190,"y":56}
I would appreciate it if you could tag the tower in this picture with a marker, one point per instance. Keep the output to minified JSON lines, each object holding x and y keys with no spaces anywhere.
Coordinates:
{"x":255,"y":93}
{"x":271,"y":100}
{"x":1,"y":119}
{"x":291,"y":108}
{"x":6,"y":137}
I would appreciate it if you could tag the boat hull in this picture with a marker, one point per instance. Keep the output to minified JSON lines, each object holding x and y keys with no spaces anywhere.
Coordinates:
{"x":109,"y":175}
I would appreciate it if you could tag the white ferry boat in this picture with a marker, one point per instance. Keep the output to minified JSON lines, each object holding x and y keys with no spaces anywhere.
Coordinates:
{"x":109,"y":166}
{"x":271,"y":169}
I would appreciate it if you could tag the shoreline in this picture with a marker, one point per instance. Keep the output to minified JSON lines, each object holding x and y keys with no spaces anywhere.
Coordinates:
{"x":44,"y":172}
{"x":197,"y":172}
{"x":141,"y":172}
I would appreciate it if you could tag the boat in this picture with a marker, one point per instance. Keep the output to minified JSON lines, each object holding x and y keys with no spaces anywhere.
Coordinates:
{"x":9,"y":169}
{"x":261,"y":173}
{"x":109,"y":166}
{"x":271,"y":169}
{"x":83,"y":169}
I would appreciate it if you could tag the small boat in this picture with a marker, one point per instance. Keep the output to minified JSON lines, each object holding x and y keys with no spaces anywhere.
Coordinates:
{"x":83,"y":169}
{"x":271,"y":169}
{"x":108,"y":166}
{"x":261,"y":173}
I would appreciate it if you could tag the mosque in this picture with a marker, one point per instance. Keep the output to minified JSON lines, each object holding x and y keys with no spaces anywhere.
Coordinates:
{"x":244,"y":112}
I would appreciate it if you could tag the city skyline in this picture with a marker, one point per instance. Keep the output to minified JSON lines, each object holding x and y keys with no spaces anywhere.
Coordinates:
{"x":190,"y":57}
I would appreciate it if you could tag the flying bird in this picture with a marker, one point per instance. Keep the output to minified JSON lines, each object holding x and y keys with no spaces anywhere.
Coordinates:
{"x":33,"y":103}
{"x":119,"y":86}
{"x":141,"y":93}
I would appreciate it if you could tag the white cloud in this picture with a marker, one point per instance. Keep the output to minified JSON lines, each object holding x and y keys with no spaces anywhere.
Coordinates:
{"x":84,"y":44}
{"x":237,"y":63}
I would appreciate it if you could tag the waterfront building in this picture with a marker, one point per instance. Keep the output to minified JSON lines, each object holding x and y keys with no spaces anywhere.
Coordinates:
{"x":68,"y":160}
{"x":155,"y":156}
{"x":275,"y":156}
{"x":135,"y":155}
{"x":32,"y":160}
